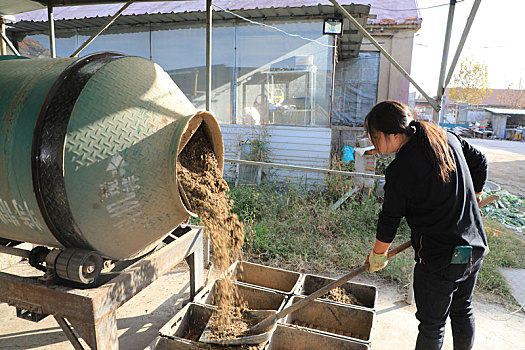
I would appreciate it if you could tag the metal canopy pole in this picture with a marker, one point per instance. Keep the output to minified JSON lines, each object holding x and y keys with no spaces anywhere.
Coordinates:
{"x":208,"y":53}
{"x":374,"y":42}
{"x":108,"y":23}
{"x":332,"y":82}
{"x":301,"y":168}
{"x":3,"y":47}
{"x":51,"y":22}
{"x":9,"y":43}
{"x":470,"y":20}
{"x":444,"y":58}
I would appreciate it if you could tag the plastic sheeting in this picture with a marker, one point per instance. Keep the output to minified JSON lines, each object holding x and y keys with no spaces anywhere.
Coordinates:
{"x":355,"y":89}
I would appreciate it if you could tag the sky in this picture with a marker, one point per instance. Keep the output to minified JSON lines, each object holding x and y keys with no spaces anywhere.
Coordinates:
{"x":497,"y":39}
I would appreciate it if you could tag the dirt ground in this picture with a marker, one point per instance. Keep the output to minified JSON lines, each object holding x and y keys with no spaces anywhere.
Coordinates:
{"x":506,"y":163}
{"x":395,"y":325}
{"x":139,"y":320}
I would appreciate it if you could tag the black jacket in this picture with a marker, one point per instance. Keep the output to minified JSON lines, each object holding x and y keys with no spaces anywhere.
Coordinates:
{"x":440,"y":215}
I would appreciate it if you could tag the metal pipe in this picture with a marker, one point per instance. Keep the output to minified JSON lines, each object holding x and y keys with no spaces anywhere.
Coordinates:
{"x":15,"y":251}
{"x":332,"y":82}
{"x":9,"y":43}
{"x":303,"y":168}
{"x":51,"y":22}
{"x":374,"y":42}
{"x":470,"y":20}
{"x":234,"y":76}
{"x":209,"y":13}
{"x":3,"y":47}
{"x":444,"y":58}
{"x":108,"y":23}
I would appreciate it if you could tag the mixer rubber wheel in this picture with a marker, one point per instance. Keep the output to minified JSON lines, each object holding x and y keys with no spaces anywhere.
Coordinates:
{"x":77,"y":265}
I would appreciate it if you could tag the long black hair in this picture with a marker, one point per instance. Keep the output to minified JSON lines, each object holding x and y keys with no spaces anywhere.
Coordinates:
{"x":393,"y":117}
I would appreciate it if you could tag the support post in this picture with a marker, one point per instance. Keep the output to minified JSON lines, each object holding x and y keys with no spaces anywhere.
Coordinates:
{"x":444,"y":58}
{"x":196,"y":265}
{"x":9,"y":43}
{"x":69,"y":333}
{"x":392,"y":60}
{"x":234,"y":77}
{"x":51,"y":22}
{"x":209,"y":13}
{"x":3,"y":47}
{"x":332,"y":82}
{"x":101,"y":29}
{"x":470,"y":20}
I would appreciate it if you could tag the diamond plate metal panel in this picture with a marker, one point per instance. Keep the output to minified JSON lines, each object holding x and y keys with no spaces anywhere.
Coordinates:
{"x":117,"y":152}
{"x":48,"y":144}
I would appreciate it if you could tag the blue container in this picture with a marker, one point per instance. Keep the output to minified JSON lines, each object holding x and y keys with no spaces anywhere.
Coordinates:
{"x":348,"y":154}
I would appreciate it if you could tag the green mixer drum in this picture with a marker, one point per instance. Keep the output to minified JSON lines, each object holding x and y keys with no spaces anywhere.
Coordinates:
{"x":88,"y":151}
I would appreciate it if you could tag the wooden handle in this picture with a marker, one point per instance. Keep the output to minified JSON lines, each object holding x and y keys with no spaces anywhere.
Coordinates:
{"x":488,"y":200}
{"x":267,"y":322}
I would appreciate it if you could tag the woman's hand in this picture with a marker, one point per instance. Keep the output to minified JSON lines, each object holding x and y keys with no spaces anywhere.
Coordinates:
{"x":378,"y":258}
{"x":377,"y":261}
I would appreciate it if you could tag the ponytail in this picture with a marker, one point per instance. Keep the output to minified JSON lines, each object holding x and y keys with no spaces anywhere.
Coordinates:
{"x":434,"y":143}
{"x":392,"y":117}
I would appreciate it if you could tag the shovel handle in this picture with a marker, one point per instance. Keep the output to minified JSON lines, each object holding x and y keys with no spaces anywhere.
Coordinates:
{"x":488,"y":200}
{"x":267,"y":322}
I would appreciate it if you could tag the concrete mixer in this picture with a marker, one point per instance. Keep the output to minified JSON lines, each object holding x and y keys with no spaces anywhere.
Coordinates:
{"x":88,"y":152}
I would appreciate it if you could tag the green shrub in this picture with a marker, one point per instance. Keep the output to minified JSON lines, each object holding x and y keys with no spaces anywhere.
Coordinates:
{"x":296,"y":228}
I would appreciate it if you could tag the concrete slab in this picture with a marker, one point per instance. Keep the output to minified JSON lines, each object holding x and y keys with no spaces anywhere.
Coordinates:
{"x":515,"y":279}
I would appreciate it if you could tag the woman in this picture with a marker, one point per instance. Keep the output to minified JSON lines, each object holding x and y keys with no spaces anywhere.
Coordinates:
{"x":434,"y":182}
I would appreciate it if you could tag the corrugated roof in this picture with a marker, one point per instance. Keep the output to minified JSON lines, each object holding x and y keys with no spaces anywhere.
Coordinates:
{"x":508,"y":111}
{"x":13,"y":7}
{"x":386,"y":12}
{"x":382,"y":11}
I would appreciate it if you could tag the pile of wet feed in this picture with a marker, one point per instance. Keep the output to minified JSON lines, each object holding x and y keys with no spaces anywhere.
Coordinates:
{"x":201,"y":178}
{"x":341,"y":295}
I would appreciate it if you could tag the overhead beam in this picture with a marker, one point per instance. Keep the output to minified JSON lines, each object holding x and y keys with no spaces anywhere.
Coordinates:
{"x":101,"y":29}
{"x":56,"y":3}
{"x":392,"y":60}
{"x":468,"y":25}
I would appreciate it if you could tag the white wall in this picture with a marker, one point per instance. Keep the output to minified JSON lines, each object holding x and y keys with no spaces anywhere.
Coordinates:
{"x":399,"y":42}
{"x":294,"y":145}
{"x":480,"y":116}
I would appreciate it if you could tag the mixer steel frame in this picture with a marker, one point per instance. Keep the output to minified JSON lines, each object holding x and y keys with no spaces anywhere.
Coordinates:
{"x":92,"y":312}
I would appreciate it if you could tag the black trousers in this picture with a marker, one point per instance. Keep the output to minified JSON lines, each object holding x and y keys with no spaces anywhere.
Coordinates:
{"x":440,"y":292}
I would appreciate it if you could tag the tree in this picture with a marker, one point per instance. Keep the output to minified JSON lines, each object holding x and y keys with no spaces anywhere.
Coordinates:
{"x":471,"y":83}
{"x":513,"y":98}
